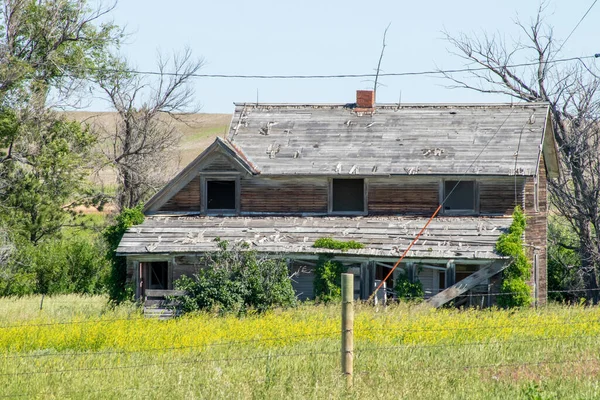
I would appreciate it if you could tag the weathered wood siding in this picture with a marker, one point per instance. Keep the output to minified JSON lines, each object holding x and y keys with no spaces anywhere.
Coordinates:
{"x":286,"y":196}
{"x":218,"y":163}
{"x":500,"y":195}
{"x":426,"y":278}
{"x":536,"y":232}
{"x":411,"y":195}
{"x":185,"y":265}
{"x":187,"y":199}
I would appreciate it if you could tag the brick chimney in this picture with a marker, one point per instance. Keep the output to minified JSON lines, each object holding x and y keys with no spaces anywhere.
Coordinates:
{"x":365,"y":99}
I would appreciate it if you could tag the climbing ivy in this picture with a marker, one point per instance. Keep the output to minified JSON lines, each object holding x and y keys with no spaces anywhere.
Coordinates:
{"x":407,"y":290}
{"x":328,"y":279}
{"x":517,"y":292}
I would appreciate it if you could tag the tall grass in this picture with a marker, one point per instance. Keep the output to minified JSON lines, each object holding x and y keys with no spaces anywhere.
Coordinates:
{"x":79,"y":348}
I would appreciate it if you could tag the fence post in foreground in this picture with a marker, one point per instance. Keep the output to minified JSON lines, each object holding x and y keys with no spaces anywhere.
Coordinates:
{"x":347,"y":327}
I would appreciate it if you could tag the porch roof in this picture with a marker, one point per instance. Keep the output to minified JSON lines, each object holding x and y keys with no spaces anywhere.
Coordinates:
{"x":446,"y":237}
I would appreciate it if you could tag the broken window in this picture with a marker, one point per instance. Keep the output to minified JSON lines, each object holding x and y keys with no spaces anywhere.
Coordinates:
{"x":348,"y":195}
{"x":221,"y":195}
{"x":459,"y":196}
{"x":464,"y":271}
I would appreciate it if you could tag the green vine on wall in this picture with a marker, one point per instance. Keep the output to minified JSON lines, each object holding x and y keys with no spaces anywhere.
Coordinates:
{"x":328,"y":279}
{"x":516,"y":291}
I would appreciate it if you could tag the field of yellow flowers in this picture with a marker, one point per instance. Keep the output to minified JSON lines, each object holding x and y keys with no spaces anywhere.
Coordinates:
{"x":78,"y":347}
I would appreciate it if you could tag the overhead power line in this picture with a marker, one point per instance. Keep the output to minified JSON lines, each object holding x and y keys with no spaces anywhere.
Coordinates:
{"x":577,"y":26}
{"x":342,"y":76}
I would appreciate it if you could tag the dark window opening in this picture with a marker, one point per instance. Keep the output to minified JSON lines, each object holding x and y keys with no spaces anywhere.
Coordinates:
{"x":464,"y":271}
{"x":348,"y":195}
{"x":459,"y":196}
{"x":159,"y":275}
{"x":442,"y":282}
{"x":220,"y":195}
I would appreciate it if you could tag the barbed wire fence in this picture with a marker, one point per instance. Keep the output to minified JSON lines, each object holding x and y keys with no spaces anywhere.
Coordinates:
{"x":404,"y":342}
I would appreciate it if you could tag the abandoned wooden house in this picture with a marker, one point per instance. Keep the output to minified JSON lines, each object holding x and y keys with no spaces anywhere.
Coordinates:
{"x":288,"y":174}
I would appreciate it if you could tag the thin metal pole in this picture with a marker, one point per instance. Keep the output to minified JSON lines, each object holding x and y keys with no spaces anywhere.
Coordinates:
{"x":348,"y":327}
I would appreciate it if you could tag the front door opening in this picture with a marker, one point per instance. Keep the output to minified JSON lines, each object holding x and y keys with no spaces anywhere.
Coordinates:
{"x":158,"y":275}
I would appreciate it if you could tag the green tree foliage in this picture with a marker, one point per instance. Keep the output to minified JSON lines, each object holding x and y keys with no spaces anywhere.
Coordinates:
{"x":237,"y":280}
{"x":117,"y":288}
{"x":328,"y":279}
{"x":564,"y":263}
{"x":514,"y":280}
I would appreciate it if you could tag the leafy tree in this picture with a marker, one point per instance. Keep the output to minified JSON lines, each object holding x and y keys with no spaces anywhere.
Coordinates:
{"x":48,"y":50}
{"x":573,"y":92}
{"x":237,"y":280}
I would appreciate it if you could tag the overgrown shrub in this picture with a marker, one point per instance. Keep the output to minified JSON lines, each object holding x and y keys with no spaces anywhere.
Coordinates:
{"x":330,"y":243}
{"x":516,"y":292}
{"x":407,"y":290}
{"x":59,"y":266}
{"x":116,"y":282}
{"x":328,"y":279}
{"x":237,"y":280}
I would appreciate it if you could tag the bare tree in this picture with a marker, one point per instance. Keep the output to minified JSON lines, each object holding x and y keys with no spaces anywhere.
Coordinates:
{"x":529,"y":69}
{"x":142,"y":145}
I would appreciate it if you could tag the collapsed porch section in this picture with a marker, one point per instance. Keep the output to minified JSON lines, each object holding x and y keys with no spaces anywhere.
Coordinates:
{"x":452,"y":249}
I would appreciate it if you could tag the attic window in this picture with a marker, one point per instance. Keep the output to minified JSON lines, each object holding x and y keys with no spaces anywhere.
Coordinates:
{"x":221,"y":195}
{"x":459,"y":196}
{"x":347,"y":196}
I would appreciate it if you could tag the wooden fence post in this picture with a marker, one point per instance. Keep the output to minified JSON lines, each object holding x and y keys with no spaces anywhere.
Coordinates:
{"x":347,"y":327}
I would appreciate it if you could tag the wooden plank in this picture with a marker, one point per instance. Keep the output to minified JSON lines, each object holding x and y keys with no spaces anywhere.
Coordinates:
{"x":467,"y":284}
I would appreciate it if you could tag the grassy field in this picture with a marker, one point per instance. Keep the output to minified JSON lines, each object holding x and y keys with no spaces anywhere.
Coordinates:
{"x":77,"y":347}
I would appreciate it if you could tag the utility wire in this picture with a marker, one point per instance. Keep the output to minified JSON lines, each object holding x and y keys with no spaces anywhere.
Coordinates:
{"x":339,"y":76}
{"x":577,"y":26}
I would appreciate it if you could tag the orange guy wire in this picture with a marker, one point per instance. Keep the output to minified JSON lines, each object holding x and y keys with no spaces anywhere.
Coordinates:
{"x":406,"y":251}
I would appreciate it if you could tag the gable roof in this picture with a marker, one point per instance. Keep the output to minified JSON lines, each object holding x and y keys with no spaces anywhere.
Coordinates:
{"x":429,"y":139}
{"x":222,"y":147}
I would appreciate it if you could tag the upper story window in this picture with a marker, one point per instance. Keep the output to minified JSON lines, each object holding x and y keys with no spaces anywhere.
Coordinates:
{"x":347,"y":196}
{"x":460,"y":196}
{"x":220,"y":194}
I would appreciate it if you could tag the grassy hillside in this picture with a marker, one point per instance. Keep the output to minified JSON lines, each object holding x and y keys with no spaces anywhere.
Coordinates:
{"x":78,"y":348}
{"x":198,"y":132}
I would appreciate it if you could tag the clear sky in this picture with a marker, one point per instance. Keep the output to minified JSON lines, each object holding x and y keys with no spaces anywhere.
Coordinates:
{"x":332,"y":37}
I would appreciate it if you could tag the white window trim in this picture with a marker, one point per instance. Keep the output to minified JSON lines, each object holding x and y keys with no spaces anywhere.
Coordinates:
{"x":442,"y":196}
{"x":207,"y":177}
{"x":365,"y":210}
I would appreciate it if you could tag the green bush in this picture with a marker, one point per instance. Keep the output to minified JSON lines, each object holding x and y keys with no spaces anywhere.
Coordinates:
{"x":330,"y":243}
{"x":328,"y":279}
{"x":516,"y":292}
{"x":237,"y":280}
{"x":57,"y":266}
{"x":407,"y":290}
{"x":116,"y":282}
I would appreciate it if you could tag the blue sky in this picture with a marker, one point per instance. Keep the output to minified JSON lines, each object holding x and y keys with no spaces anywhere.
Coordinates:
{"x":331,"y":37}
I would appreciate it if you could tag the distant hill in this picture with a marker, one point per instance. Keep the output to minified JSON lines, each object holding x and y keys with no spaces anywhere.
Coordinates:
{"x":198,"y":132}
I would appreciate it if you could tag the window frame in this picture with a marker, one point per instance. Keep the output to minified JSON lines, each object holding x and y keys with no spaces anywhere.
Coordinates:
{"x":347,"y":213}
{"x":219,"y":176}
{"x":467,"y":211}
